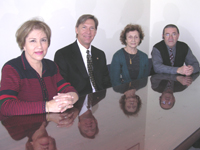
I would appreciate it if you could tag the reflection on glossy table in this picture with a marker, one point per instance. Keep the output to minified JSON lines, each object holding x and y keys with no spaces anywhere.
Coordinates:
{"x":152,"y":128}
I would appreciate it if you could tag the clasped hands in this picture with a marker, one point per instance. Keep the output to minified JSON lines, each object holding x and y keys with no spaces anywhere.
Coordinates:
{"x":65,"y":119}
{"x":185,"y":70}
{"x":61,"y":102}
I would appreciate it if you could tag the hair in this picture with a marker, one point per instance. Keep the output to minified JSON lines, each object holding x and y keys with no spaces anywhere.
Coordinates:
{"x":170,"y":26}
{"x":85,"y":17}
{"x":29,"y":26}
{"x":128,"y":28}
{"x":122,"y":105}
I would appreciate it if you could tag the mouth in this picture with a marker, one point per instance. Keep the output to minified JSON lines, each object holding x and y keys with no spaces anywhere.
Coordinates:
{"x":39,"y":52}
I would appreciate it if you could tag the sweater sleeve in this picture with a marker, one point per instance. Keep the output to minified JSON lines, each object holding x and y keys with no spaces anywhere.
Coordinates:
{"x":9,"y":102}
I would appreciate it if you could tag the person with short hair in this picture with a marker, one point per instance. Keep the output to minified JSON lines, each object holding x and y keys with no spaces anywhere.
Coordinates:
{"x":129,"y":63}
{"x":30,"y":83}
{"x":172,"y":56}
{"x":73,"y":59}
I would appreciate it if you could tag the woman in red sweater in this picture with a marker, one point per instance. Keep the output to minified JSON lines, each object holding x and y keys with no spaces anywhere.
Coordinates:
{"x":30,"y":83}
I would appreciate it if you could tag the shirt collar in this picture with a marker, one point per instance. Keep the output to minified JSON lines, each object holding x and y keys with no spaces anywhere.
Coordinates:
{"x":27,"y":66}
{"x":82,"y":48}
{"x":173,"y":48}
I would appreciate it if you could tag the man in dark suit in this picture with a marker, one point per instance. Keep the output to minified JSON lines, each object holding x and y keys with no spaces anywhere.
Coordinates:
{"x":72,"y":59}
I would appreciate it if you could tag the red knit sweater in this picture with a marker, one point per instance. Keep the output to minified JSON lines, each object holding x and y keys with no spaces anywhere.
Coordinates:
{"x":23,"y":91}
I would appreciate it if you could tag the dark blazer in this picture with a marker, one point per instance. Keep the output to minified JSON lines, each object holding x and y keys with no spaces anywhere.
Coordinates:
{"x":97,"y":97}
{"x":72,"y":68}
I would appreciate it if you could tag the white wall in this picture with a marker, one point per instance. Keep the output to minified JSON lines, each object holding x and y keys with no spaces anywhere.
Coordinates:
{"x":61,"y":16}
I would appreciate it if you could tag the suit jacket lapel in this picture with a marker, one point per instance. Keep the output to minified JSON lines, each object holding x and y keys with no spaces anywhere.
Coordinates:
{"x":77,"y":57}
{"x":95,"y":57}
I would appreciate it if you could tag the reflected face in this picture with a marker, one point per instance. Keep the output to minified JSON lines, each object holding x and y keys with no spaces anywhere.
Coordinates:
{"x":170,"y":36}
{"x":44,"y":143}
{"x":88,"y":126}
{"x":132,"y":39}
{"x":131,"y":104}
{"x":36,"y":45}
{"x":86,"y":32}
{"x":41,"y":139}
{"x":167,"y":100}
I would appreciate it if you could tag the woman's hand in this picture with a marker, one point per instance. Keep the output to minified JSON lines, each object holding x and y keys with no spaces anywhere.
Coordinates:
{"x":61,"y":102}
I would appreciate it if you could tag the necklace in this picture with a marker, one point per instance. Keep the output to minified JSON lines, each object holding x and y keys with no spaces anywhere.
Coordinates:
{"x":130,"y":55}
{"x":131,"y":58}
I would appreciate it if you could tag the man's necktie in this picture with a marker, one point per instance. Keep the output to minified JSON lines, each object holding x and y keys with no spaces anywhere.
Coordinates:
{"x":171,"y":57}
{"x":90,"y":69}
{"x":89,"y":103}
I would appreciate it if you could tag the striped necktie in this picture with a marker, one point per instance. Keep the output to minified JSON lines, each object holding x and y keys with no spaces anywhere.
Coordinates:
{"x":90,"y":69}
{"x":171,"y":56}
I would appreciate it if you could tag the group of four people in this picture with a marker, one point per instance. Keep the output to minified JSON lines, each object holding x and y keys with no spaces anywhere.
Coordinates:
{"x":31,"y":84}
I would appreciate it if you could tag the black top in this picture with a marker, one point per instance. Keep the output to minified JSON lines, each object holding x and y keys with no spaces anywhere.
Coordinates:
{"x":133,"y":68}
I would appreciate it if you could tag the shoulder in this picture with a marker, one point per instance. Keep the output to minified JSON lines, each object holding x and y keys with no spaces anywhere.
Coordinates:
{"x":66,"y":49}
{"x":182,"y":43}
{"x":159,"y":43}
{"x":50,"y":64}
{"x":119,"y":52}
{"x":13,"y":66}
{"x":96,"y":50}
{"x":142,"y":53}
{"x":15,"y":63}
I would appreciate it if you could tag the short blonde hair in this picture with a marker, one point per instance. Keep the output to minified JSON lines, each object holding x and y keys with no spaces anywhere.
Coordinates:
{"x":29,"y":26}
{"x":131,"y":27}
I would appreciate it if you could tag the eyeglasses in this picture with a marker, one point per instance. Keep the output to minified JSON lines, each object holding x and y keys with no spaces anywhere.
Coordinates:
{"x":173,"y":34}
{"x":164,"y":102}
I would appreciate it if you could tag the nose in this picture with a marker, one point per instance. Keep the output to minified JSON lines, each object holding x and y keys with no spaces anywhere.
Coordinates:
{"x":171,"y":36}
{"x":88,"y":30}
{"x":39,"y":44}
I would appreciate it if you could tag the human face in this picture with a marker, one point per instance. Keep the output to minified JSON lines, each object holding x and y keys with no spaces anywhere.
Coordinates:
{"x":171,"y":36}
{"x":131,"y":103}
{"x":88,"y":126}
{"x":86,"y":32}
{"x":132,"y":39}
{"x":41,"y":140}
{"x":167,"y":99}
{"x":36,"y":45}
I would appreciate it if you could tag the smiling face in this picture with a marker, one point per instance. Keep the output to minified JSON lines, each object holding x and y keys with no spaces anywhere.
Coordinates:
{"x":36,"y":45}
{"x":41,"y":140}
{"x":132,"y":39}
{"x":167,"y":99}
{"x":88,"y":126}
{"x":86,"y":32}
{"x":131,"y":104}
{"x":170,"y":36}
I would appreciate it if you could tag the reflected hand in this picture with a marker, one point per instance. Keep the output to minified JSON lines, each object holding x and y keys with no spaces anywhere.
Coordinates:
{"x":184,"y":80}
{"x":65,"y":119}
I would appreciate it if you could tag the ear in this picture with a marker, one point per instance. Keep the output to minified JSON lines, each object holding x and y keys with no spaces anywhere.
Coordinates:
{"x":76,"y":30}
{"x":178,"y":35}
{"x":160,"y":97}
